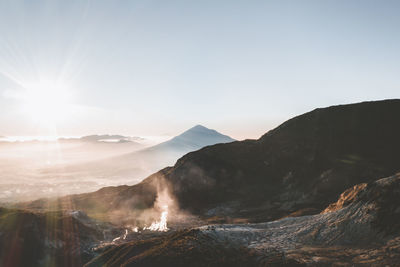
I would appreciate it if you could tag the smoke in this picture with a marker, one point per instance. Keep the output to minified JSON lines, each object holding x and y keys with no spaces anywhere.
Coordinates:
{"x":162,"y":214}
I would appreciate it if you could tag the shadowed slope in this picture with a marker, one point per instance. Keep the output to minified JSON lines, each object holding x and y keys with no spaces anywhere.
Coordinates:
{"x":49,"y":239}
{"x":304,"y":163}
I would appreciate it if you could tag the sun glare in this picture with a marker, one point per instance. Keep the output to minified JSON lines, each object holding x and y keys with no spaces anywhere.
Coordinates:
{"x":47,"y":102}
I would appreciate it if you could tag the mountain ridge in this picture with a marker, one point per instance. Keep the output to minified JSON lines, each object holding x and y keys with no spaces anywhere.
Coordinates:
{"x":298,"y":168}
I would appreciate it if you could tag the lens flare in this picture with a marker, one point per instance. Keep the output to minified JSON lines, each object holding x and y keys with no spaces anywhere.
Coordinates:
{"x":46,"y":102}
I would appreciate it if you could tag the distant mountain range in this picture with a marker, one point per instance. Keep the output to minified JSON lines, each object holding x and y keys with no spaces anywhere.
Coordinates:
{"x":190,"y":140}
{"x":141,"y":163}
{"x":104,"y":138}
{"x":166,"y":153}
{"x":87,"y":138}
{"x":85,"y":164}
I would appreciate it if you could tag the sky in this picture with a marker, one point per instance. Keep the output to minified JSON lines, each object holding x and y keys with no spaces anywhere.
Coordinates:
{"x":160,"y":67}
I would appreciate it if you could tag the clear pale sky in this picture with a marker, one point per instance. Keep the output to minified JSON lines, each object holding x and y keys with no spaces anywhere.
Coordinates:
{"x":160,"y":67}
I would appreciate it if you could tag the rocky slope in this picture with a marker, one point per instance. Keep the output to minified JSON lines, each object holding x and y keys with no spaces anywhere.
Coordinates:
{"x":361,"y":228}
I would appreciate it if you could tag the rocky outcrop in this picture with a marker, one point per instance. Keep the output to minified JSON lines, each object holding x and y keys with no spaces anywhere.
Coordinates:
{"x":346,"y":198}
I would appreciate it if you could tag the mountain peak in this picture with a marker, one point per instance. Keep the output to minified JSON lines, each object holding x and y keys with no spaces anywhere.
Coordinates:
{"x":197,"y":137}
{"x":199,"y":127}
{"x":200,"y":132}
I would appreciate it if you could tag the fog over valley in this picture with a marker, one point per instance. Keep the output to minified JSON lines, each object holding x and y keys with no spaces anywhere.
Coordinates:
{"x":50,"y":168}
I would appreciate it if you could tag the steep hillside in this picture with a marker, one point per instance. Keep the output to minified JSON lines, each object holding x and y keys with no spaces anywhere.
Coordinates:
{"x":301,"y":166}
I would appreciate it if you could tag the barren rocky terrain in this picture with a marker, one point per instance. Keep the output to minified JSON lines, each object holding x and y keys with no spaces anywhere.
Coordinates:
{"x":362,"y":229}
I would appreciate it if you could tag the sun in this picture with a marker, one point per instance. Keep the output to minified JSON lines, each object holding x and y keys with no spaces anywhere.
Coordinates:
{"x":47,"y":102}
